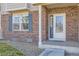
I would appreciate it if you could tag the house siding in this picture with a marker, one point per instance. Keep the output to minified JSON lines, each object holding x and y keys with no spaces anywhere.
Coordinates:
{"x":22,"y":36}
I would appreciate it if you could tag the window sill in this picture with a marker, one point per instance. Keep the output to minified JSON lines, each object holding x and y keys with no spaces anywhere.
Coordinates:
{"x":20,"y":30}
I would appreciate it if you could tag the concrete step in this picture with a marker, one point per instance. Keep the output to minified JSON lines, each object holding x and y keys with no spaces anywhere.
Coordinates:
{"x":68,"y":49}
{"x":53,"y":52}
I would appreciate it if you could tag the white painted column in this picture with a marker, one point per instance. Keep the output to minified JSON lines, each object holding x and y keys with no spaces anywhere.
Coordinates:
{"x":40,"y":24}
{"x":0,"y":28}
{"x":0,"y":21}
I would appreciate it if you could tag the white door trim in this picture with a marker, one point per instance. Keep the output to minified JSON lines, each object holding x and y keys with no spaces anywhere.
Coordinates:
{"x":63,"y":39}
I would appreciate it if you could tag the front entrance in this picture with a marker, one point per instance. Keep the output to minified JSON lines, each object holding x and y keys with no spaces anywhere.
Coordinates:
{"x":57,"y":27}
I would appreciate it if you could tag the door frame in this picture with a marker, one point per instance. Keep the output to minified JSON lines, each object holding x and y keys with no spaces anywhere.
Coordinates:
{"x":64,"y":14}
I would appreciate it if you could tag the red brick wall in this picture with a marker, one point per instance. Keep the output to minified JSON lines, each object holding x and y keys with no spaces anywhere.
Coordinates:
{"x":20,"y":35}
{"x":44,"y":24}
{"x":71,"y":21}
{"x":77,"y":22}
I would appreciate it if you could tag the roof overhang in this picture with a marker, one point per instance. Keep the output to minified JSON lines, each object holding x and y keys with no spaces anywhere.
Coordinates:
{"x":36,"y":4}
{"x":55,"y":5}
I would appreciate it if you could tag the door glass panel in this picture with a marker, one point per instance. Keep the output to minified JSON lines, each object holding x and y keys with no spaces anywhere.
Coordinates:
{"x":59,"y":24}
{"x":51,"y":26}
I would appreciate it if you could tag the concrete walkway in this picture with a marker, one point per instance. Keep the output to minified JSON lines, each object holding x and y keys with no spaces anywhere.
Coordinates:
{"x":28,"y":49}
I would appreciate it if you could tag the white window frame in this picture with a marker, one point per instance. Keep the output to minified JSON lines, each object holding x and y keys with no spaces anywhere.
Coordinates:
{"x":19,"y":22}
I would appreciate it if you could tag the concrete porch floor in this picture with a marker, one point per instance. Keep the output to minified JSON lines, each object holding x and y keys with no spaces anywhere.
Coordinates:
{"x":62,"y":43}
{"x":71,"y":47}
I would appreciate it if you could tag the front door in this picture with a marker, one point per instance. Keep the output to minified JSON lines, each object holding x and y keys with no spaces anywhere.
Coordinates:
{"x":57,"y":27}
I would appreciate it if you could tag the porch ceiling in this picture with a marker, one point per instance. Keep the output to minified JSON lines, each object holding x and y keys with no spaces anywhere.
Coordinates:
{"x":55,"y":5}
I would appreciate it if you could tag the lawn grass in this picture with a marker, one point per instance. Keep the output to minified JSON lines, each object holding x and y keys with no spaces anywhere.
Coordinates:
{"x":7,"y":50}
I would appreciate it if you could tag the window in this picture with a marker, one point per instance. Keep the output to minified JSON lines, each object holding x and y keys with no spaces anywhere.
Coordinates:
{"x":16,"y":23}
{"x":24,"y":24}
{"x":51,"y":26}
{"x":59,"y":24}
{"x":20,"y":22}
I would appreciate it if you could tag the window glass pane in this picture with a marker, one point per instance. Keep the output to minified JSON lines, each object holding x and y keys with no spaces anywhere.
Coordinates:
{"x":51,"y":26}
{"x":25,"y":19}
{"x":24,"y":26}
{"x":16,"y":26}
{"x":16,"y":19}
{"x":59,"y":23}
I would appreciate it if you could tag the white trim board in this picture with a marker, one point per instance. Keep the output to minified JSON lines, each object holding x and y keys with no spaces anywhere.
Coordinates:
{"x":40,"y":25}
{"x":1,"y":37}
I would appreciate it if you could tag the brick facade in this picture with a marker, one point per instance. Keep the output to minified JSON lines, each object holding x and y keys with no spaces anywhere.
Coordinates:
{"x":72,"y":13}
{"x":72,"y":25}
{"x":44,"y":24}
{"x":20,"y":35}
